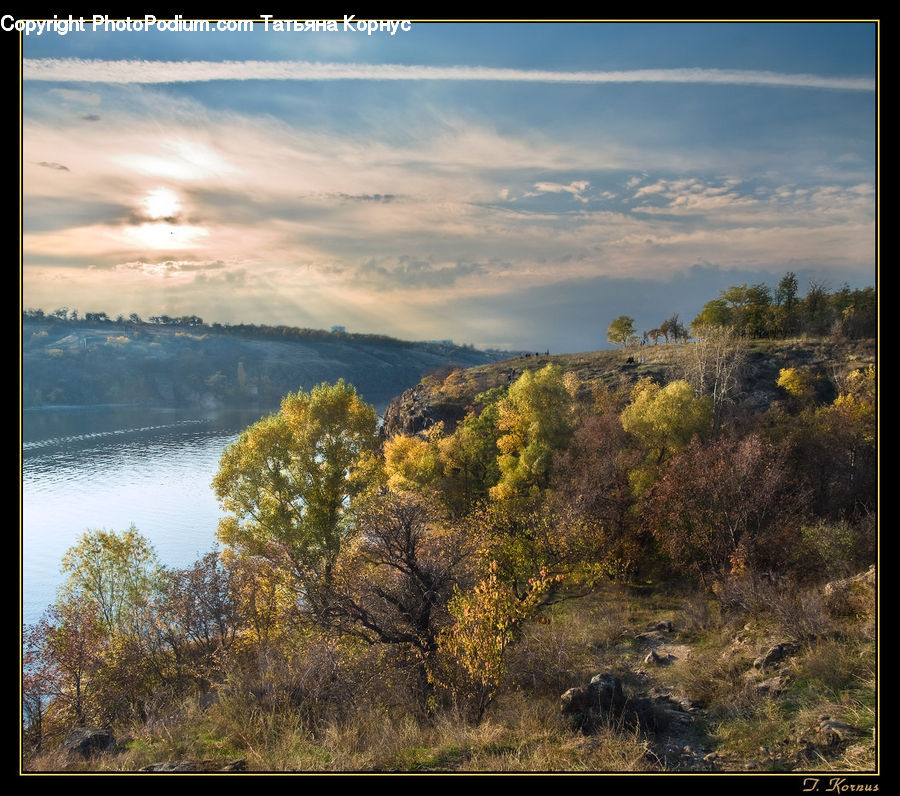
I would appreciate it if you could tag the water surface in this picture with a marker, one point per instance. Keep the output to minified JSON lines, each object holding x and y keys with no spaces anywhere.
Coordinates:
{"x":109,"y":468}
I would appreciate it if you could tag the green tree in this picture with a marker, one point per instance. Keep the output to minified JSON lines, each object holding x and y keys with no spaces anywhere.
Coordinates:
{"x":117,"y":573}
{"x":663,"y":420}
{"x":535,"y":419}
{"x":714,"y":313}
{"x":469,"y":455}
{"x":289,"y":480}
{"x":785,"y":311}
{"x":620,"y":330}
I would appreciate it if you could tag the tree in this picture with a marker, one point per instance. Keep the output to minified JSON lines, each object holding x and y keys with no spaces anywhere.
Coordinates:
{"x":798,"y":383}
{"x":785,"y":314}
{"x":289,"y":480}
{"x":837,"y":449}
{"x":63,"y":652}
{"x":620,"y":330}
{"x":535,"y":420}
{"x":723,"y":506}
{"x":486,"y":622}
{"x":198,"y":614}
{"x":412,"y":463}
{"x":663,"y":420}
{"x":714,"y":313}
{"x":469,"y":455}
{"x":715,"y":364}
{"x":391,"y":583}
{"x":117,"y":573}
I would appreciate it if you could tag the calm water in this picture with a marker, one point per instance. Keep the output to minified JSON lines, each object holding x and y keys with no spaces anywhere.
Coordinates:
{"x":110,"y":468}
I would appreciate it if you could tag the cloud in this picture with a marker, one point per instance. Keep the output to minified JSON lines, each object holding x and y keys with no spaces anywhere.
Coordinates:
{"x":412,"y":273}
{"x":78,"y":70}
{"x":52,"y":165}
{"x":576,"y":188}
{"x":76,"y":95}
{"x":393,"y":226}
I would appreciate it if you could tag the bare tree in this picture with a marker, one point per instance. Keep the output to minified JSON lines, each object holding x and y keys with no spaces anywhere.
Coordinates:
{"x":715,"y":365}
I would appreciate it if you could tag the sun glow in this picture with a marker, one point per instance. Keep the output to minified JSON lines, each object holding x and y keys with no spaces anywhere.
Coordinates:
{"x":165,"y":236}
{"x":161,"y":203}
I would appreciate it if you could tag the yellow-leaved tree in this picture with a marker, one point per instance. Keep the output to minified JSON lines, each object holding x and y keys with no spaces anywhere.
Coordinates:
{"x":289,"y":481}
{"x":486,"y":621}
{"x":535,"y":420}
{"x":663,"y":420}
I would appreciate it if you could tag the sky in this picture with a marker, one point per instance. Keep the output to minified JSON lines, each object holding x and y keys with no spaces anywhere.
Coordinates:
{"x":503,"y":185}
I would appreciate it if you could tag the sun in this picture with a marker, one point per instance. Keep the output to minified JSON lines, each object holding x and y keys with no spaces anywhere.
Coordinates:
{"x":161,"y":203}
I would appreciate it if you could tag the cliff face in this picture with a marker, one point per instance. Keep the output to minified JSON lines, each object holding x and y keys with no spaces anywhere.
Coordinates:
{"x":446,"y":396}
{"x":415,"y":411}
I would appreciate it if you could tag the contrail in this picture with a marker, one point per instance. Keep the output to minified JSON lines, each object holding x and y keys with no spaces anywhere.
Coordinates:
{"x":77,"y":70}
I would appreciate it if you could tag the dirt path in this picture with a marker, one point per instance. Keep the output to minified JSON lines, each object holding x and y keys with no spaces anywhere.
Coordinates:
{"x":678,"y":742}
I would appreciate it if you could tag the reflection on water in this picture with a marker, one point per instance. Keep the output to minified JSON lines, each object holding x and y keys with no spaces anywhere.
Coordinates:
{"x":110,"y":468}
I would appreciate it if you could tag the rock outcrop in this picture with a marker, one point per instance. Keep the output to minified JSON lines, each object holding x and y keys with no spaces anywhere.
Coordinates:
{"x":85,"y":742}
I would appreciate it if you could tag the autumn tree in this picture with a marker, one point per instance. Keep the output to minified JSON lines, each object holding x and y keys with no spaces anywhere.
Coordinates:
{"x":391,"y":583}
{"x":118,"y":573}
{"x":621,"y":330}
{"x":63,"y":653}
{"x":590,"y":482}
{"x":714,"y":365}
{"x":836,"y":449}
{"x":720,"y":507}
{"x":289,"y":480}
{"x":799,"y":383}
{"x":412,"y":463}
{"x":535,"y":421}
{"x":662,"y":420}
{"x":197,"y":615}
{"x":486,"y":621}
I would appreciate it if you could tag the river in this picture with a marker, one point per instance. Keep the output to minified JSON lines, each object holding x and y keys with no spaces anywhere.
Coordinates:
{"x":109,"y":468}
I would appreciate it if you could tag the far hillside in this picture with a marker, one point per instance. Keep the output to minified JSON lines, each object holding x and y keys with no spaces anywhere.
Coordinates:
{"x":181,"y":362}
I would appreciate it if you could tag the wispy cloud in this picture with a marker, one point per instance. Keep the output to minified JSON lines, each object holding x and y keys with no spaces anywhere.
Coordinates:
{"x":576,"y":188}
{"x":78,"y":70}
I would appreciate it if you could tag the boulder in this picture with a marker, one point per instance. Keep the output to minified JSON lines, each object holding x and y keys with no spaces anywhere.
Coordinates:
{"x":831,"y":732}
{"x":602,"y":701}
{"x":85,"y":742}
{"x":852,"y":596}
{"x":775,"y":654}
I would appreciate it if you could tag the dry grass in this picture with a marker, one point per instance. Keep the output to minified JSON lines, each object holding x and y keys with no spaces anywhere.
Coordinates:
{"x":375,"y":726}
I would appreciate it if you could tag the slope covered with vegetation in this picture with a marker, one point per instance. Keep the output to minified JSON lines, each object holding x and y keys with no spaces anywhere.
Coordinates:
{"x":691,"y":526}
{"x":182,"y":362}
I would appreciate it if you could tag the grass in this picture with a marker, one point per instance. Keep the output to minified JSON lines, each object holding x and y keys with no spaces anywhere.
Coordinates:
{"x":376,"y":730}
